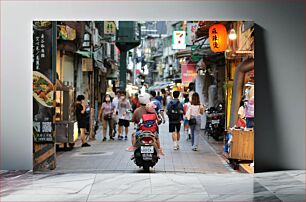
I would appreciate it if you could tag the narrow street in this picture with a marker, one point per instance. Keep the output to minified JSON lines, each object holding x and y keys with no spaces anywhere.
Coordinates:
{"x":112,"y":156}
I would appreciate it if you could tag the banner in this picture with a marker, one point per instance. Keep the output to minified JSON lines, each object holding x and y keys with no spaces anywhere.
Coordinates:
{"x":188,"y":73}
{"x":43,"y":87}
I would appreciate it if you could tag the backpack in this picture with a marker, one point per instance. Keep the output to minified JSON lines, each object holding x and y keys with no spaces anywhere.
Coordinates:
{"x":148,"y":123}
{"x":174,"y":112}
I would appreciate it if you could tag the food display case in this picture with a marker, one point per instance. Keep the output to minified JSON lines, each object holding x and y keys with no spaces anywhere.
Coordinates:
{"x":65,"y":123}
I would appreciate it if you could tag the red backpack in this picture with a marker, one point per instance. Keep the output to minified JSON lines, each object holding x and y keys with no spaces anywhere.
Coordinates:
{"x":149,"y":123}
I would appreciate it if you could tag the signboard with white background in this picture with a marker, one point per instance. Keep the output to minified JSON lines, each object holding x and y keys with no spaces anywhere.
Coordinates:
{"x":179,"y":40}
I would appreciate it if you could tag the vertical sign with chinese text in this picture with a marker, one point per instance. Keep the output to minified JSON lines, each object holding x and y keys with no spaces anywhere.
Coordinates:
{"x":44,"y":49}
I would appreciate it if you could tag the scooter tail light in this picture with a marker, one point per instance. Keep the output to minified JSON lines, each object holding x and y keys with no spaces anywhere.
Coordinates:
{"x":147,"y":140}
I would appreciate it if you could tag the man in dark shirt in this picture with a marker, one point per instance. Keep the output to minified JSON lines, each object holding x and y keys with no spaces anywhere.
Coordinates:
{"x":175,"y":110}
{"x":159,"y":107}
{"x":81,"y":118}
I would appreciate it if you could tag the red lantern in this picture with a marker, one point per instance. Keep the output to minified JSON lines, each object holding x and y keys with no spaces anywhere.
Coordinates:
{"x":218,"y":38}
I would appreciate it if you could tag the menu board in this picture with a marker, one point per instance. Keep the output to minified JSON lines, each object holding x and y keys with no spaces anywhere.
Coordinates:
{"x":42,"y":86}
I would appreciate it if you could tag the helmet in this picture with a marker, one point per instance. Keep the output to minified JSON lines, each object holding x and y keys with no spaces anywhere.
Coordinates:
{"x":144,"y":98}
{"x":150,"y":107}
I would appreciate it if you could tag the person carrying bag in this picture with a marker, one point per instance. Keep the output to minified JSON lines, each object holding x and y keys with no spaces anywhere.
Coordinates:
{"x":194,"y":116}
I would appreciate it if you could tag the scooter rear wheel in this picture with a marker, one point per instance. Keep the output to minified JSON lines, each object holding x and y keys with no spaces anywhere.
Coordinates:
{"x":146,"y":167}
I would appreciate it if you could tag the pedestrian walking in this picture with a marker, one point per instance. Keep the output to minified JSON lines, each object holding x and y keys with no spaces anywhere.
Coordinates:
{"x":157,"y":103}
{"x":175,"y":111}
{"x":80,"y":111}
{"x":164,"y":98}
{"x":191,"y":90}
{"x":124,"y":108}
{"x":159,"y":97}
{"x":187,"y":130}
{"x":193,"y":114}
{"x":168,"y":98}
{"x":115,"y":116}
{"x":135,"y":102}
{"x":106,"y":112}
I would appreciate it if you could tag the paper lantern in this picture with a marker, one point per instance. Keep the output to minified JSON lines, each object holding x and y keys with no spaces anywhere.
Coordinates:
{"x":218,"y":38}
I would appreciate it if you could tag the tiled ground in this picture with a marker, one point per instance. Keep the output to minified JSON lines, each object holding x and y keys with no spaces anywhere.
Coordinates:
{"x":111,"y":156}
{"x":273,"y":186}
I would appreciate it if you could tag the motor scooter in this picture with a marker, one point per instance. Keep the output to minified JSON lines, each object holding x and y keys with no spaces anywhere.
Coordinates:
{"x":145,"y":154}
{"x":146,"y":149}
{"x":215,"y":125}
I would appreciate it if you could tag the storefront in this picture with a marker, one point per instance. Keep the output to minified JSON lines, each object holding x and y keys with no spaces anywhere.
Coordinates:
{"x":240,"y":92}
{"x":227,"y":65}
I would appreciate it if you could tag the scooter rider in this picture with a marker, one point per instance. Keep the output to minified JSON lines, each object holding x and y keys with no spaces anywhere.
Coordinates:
{"x":145,"y":107}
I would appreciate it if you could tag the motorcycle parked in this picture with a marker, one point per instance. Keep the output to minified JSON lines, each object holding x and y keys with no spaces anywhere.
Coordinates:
{"x":215,"y":125}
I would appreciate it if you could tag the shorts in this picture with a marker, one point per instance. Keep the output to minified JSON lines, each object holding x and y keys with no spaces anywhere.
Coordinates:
{"x":174,"y":127}
{"x":82,"y":123}
{"x":186,"y":122}
{"x":123,"y":122}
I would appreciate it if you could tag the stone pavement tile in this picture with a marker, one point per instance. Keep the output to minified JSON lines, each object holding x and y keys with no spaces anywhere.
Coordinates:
{"x":151,"y":197}
{"x":245,"y":198}
{"x":292,"y":197}
{"x":298,"y":175}
{"x":120,"y":184}
{"x":176,"y":183}
{"x":58,"y":184}
{"x":281,"y":183}
{"x":43,"y":198}
{"x":228,"y":184}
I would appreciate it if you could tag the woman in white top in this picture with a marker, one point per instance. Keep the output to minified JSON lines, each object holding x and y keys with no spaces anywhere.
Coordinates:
{"x":193,"y":114}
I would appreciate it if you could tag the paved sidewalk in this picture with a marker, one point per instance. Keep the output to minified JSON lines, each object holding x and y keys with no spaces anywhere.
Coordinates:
{"x":273,"y":186}
{"x":112,"y":156}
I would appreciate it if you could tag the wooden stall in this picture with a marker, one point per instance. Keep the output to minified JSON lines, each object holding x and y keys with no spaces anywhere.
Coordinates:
{"x":242,"y":145}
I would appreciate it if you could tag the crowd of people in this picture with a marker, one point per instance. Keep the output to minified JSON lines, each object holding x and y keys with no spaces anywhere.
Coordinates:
{"x":118,"y":112}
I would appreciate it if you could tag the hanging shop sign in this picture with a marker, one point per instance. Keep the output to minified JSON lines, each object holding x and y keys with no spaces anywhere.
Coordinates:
{"x":191,"y":32}
{"x":43,"y":83}
{"x":188,"y":73}
{"x":218,"y":38}
{"x":109,"y":27}
{"x":179,"y":40}
{"x":87,"y":65}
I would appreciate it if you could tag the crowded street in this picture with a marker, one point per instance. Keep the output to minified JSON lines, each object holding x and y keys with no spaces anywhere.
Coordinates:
{"x":112,"y":156}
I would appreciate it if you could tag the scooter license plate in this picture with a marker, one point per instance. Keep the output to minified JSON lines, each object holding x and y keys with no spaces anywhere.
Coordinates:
{"x":215,"y":121}
{"x":147,"y":149}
